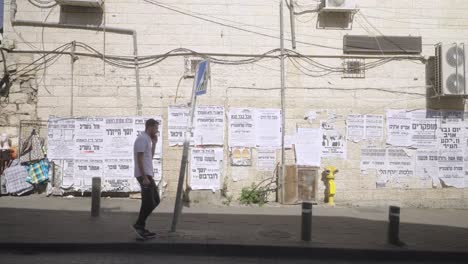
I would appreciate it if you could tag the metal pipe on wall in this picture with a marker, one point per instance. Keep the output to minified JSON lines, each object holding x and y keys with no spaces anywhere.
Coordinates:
{"x":30,"y":23}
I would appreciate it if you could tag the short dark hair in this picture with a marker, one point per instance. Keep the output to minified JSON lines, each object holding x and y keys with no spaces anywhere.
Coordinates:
{"x":151,"y":122}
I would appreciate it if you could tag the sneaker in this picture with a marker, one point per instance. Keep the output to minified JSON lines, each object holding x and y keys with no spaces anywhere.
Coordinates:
{"x":148,"y":233}
{"x":140,"y":232}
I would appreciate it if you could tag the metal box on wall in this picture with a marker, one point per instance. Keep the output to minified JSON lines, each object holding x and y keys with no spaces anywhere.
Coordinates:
{"x":308,"y":178}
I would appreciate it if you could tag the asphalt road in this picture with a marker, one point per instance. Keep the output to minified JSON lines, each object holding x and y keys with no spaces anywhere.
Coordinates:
{"x":120,"y":258}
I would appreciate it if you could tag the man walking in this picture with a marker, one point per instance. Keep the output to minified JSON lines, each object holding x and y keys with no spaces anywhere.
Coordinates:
{"x":143,"y":152}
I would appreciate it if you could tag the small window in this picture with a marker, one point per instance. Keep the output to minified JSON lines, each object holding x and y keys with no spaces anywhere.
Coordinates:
{"x":191,"y":66}
{"x":354,"y":68}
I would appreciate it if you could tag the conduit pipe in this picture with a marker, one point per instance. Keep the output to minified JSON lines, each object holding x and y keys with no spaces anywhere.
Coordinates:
{"x":132,"y":32}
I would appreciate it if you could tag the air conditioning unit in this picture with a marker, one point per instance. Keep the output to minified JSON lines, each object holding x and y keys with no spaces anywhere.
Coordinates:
{"x":451,"y":73}
{"x":81,"y":3}
{"x":339,"y":6}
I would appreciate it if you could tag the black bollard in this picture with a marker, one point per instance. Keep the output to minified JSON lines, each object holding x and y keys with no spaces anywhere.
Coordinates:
{"x":96,"y":197}
{"x":393,"y":236}
{"x":306,"y":231}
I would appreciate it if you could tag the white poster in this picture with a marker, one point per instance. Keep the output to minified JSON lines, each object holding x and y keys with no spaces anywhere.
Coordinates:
{"x":398,"y":127}
{"x":119,"y":137}
{"x":355,"y":128}
{"x":68,"y":173}
{"x":205,"y":169}
{"x":333,"y":143}
{"x":241,"y":127}
{"x":426,"y":165}
{"x":268,"y":127}
{"x":400,"y":161}
{"x":60,"y":138}
{"x":118,"y":175}
{"x":424,"y":126}
{"x":266,"y":159}
{"x":373,"y":158}
{"x":308,"y":146}
{"x":139,"y":127}
{"x":209,"y":125}
{"x":89,"y":137}
{"x":450,"y":133}
{"x":451,"y":171}
{"x":177,"y":122}
{"x":157,"y":170}
{"x":85,"y":170}
{"x":374,"y":127}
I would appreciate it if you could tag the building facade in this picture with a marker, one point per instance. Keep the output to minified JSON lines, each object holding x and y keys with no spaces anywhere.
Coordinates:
{"x":72,"y":61}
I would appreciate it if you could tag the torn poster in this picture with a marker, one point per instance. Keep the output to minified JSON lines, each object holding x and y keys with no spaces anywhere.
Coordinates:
{"x":333,"y":143}
{"x":68,"y":173}
{"x":424,"y":124}
{"x":268,"y":127}
{"x":398,"y":128}
{"x":308,"y":146}
{"x":426,"y":165}
{"x":60,"y":138}
{"x":85,"y":170}
{"x":241,"y":127}
{"x":209,"y":125}
{"x":89,"y":137}
{"x":205,"y":169}
{"x":355,"y":128}
{"x":451,"y":168}
{"x":177,"y":122}
{"x":241,"y":156}
{"x":266,"y":159}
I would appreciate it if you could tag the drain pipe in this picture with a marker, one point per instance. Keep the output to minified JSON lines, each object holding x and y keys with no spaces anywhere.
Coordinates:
{"x":133,"y":33}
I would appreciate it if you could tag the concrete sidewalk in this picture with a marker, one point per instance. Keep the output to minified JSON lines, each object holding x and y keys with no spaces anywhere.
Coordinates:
{"x":52,"y":223}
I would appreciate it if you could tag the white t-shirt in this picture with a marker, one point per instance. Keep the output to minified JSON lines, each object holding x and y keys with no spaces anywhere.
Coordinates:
{"x":143,"y":144}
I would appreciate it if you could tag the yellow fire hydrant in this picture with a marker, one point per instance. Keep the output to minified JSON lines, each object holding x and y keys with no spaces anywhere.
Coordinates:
{"x":329,"y":180}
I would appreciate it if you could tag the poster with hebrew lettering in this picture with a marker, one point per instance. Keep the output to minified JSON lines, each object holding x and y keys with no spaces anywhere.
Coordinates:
{"x":89,"y":138}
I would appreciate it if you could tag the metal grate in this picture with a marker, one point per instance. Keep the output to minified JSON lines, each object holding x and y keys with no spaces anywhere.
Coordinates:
{"x":354,"y":68}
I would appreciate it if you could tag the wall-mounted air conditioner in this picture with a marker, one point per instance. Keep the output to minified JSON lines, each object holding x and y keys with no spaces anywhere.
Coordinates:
{"x":82,"y":3}
{"x":339,"y":6}
{"x":451,"y":76}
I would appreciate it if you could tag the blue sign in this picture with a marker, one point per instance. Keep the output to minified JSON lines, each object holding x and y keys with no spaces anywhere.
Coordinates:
{"x":201,"y":78}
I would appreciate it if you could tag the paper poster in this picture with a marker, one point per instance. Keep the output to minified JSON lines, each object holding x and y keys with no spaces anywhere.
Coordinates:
{"x":177,"y":122}
{"x":86,"y":169}
{"x":209,"y":125}
{"x":398,"y":127}
{"x":89,"y":137}
{"x":268,"y":127}
{"x":451,"y":168}
{"x":426,"y":165}
{"x":120,"y":136}
{"x":118,"y":175}
{"x":139,"y":126}
{"x":401,"y":162}
{"x":450,"y":133}
{"x":355,"y":128}
{"x":68,"y":173}
{"x":424,"y":126}
{"x":241,"y":127}
{"x":205,"y":169}
{"x":60,"y":138}
{"x":241,"y":156}
{"x":266,"y":159}
{"x":308,"y":146}
{"x":157,"y":170}
{"x":374,"y":127}
{"x":333,"y":143}
{"x":373,"y":158}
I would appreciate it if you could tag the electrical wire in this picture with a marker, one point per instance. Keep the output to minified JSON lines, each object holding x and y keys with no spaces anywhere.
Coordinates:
{"x":43,"y":4}
{"x":165,"y":6}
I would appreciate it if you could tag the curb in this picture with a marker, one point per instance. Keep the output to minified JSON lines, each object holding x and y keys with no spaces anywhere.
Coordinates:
{"x":264,"y":251}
